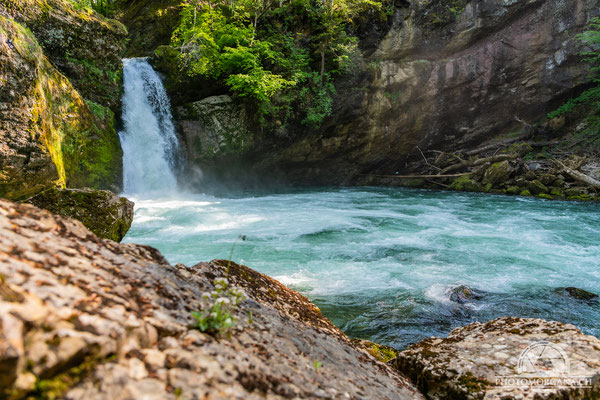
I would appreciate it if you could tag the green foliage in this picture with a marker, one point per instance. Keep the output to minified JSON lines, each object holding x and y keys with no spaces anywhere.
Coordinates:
{"x":282,"y":56}
{"x":318,"y":365}
{"x":218,"y":307}
{"x":101,"y":6}
{"x":590,"y":97}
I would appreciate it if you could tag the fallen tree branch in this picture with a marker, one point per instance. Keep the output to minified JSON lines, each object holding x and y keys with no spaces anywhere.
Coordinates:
{"x":417,"y":176}
{"x":578,"y":176}
{"x":529,"y":132}
{"x":427,"y":162}
{"x":480,"y":161}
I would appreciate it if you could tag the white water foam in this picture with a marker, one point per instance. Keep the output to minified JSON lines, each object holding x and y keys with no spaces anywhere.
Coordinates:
{"x":148,"y":139}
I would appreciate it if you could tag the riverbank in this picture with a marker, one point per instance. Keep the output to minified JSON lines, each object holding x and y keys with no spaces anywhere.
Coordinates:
{"x":86,"y":318}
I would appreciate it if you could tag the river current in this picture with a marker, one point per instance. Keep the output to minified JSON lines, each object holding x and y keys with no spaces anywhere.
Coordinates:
{"x":381,"y":263}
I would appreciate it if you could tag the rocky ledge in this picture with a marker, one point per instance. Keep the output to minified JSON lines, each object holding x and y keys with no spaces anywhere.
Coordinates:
{"x":85,"y":318}
{"x":101,"y":211}
{"x":507,"y":358}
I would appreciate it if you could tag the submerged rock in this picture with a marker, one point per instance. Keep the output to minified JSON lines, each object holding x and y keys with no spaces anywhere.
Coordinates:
{"x":104,"y":213}
{"x":463,"y":294}
{"x":95,"y":319}
{"x":490,"y":360}
{"x":580,"y":294}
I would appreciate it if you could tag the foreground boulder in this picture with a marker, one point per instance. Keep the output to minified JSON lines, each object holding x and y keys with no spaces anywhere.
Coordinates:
{"x":84,"y":318}
{"x":506,"y":358}
{"x":102,"y":212}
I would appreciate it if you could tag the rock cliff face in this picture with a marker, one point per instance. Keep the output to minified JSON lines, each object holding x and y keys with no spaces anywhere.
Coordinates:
{"x":49,"y":135}
{"x":447,"y":76}
{"x":83,"y":318}
{"x":213,"y":127}
{"x":81,"y":44}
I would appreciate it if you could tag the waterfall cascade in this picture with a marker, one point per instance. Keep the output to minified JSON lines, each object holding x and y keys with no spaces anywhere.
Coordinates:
{"x":148,"y":139}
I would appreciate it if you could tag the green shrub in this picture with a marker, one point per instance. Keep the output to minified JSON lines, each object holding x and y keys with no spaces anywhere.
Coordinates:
{"x":281,"y":57}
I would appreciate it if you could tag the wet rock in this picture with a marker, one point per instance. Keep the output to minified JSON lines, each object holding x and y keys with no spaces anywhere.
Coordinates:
{"x":580,"y":294}
{"x":104,"y":213}
{"x":463,"y":294}
{"x":536,"y":187}
{"x":114,"y":321}
{"x":482,"y":360}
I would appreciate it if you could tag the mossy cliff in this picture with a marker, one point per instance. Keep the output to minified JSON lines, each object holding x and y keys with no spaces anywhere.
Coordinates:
{"x":50,"y":135}
{"x":80,"y":43}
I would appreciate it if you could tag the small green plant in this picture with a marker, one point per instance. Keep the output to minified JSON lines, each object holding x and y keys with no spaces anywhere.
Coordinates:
{"x":318,"y":365}
{"x":218,"y":308}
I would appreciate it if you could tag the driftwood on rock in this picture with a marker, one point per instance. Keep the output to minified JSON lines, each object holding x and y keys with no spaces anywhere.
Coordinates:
{"x":578,"y":176}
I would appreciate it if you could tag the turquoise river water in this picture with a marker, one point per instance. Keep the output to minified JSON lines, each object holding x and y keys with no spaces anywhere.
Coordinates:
{"x":380,"y":263}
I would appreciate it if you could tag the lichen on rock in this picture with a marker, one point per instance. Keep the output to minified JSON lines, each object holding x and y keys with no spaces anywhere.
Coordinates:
{"x":473,"y":360}
{"x":95,"y":319}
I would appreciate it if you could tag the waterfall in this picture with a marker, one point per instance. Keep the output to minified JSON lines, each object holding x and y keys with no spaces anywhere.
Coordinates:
{"x":148,"y":139}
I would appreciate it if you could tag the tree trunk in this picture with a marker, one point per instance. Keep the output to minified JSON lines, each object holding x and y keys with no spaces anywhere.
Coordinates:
{"x":578,"y":176}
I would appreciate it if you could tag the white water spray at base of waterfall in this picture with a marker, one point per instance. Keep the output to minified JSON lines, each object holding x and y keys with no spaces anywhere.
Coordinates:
{"x":148,"y":139}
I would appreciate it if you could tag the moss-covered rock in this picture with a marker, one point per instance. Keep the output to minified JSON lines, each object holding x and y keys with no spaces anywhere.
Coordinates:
{"x":104,"y":213}
{"x":49,"y":135}
{"x":79,"y":42}
{"x":466,"y":184}
{"x":381,"y":352}
{"x":580,"y":294}
{"x":536,"y":187}
{"x":513,"y":190}
{"x":498,"y":173}
{"x":150,"y":24}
